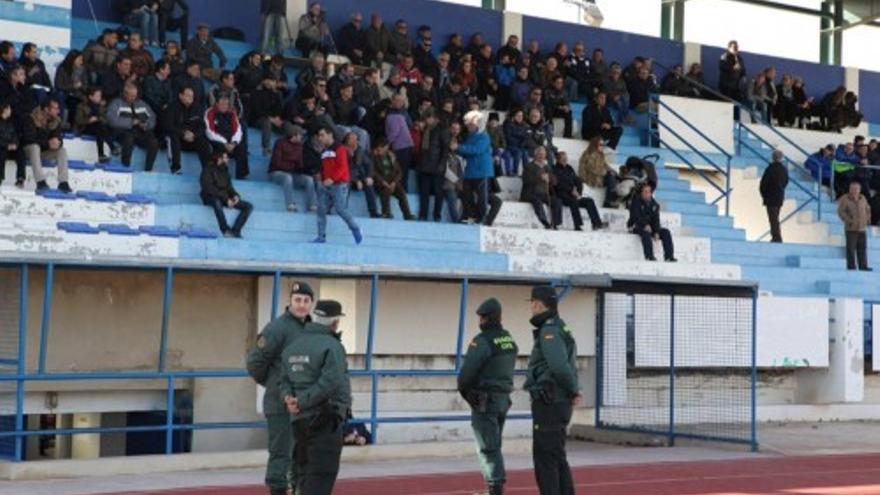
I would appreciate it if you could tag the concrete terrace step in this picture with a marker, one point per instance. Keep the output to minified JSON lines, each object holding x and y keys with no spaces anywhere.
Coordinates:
{"x":42,"y":240}
{"x":557,"y":265}
{"x":522,"y":216}
{"x":751,"y":248}
{"x":717,"y":232}
{"x":864,"y":289}
{"x":816,"y":262}
{"x":15,"y":203}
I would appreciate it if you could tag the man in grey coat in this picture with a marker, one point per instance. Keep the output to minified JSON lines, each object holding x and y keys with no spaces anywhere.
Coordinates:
{"x":132,"y":122}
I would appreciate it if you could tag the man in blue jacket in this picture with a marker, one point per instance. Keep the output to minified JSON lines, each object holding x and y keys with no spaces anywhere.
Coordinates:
{"x":477,"y":152}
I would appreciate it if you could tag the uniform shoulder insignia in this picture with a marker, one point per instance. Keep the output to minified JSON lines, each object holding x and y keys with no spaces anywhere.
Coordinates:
{"x":261,"y":342}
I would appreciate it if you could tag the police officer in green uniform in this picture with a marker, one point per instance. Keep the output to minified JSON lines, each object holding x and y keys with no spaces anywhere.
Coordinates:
{"x":315,"y":387}
{"x":552,"y":383}
{"x":265,"y":367}
{"x":485,"y":382}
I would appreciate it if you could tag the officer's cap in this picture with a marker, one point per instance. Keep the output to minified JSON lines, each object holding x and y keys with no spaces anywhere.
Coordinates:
{"x":302,"y":288}
{"x":544,"y":293}
{"x":490,"y":306}
{"x":327,"y":308}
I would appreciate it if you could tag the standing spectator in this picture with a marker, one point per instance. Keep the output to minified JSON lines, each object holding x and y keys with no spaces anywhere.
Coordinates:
{"x":773,"y":184}
{"x":71,"y":81}
{"x":265,"y":112}
{"x":158,"y":92}
{"x":444,"y":70}
{"x":674,"y":83}
{"x":132,"y":122}
{"x":487,"y":85}
{"x":314,"y":32}
{"x":505,"y":75}
{"x":288,"y":169}
{"x":218,"y":193}
{"x":577,"y":72}
{"x":274,"y":25}
{"x":640,"y":91}
{"x":557,"y":104}
{"x":184,"y":127}
{"x":173,"y":19}
{"x":223,"y":129}
{"x":361,"y":172}
{"x":144,"y":15}
{"x":388,"y":179}
{"x":520,"y":88}
{"x":598,"y":70}
{"x":115,"y":81}
{"x":695,"y":82}
{"x":42,"y":140}
{"x":141,"y":58}
{"x":202,"y":48}
{"x":516,"y":134}
{"x":510,"y":50}
{"x":644,"y":218}
{"x":855,"y":212}
{"x":476,"y":43}
{"x":398,"y":136}
{"x":378,"y":40}
{"x":618,"y":94}
{"x":569,"y":190}
{"x":538,"y":183}
{"x":248,"y":76}
{"x":594,"y":171}
{"x":90,"y":119}
{"x":501,"y":156}
{"x":38,"y":79}
{"x":732,"y":71}
{"x":9,"y":142}
{"x":432,"y":167}
{"x":424,"y":58}
{"x":335,"y":177}
{"x":455,"y":49}
{"x":353,"y":40}
{"x":597,"y":121}
{"x":453,"y":175}
{"x":100,"y":55}
{"x":477,"y":151}
{"x":7,"y":58}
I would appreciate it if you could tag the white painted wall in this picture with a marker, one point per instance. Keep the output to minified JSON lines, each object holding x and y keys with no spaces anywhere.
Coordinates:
{"x":713,"y":119}
{"x":793,"y":331}
{"x":844,"y":380}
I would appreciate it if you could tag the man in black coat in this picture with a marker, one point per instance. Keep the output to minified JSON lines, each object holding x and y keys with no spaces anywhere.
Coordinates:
{"x":596,"y":120}
{"x":218,"y":193}
{"x":569,"y":188}
{"x":644,"y":219}
{"x":353,"y":40}
{"x":266,"y":107}
{"x":184,"y":125}
{"x":773,"y":184}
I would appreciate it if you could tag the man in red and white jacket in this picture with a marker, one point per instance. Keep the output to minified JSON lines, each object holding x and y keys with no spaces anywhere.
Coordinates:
{"x":224,"y":130}
{"x":333,"y":192}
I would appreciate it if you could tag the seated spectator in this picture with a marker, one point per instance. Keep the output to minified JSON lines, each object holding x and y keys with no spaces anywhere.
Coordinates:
{"x":674,"y":83}
{"x":510,"y":50}
{"x":455,"y":49}
{"x":594,"y":171}
{"x":38,"y":79}
{"x":288,"y":168}
{"x":100,"y":55}
{"x":378,"y":40}
{"x":266,"y":106}
{"x":539,"y":133}
{"x":423,"y":55}
{"x":9,"y":142}
{"x":356,"y":434}
{"x":426,"y":91}
{"x":453,"y":176}
{"x":520,"y":88}
{"x":158,"y":91}
{"x":225,"y":132}
{"x":538,"y":182}
{"x":759,"y":99}
{"x":732,"y":71}
{"x":455,"y":94}
{"x":444,"y":70}
{"x":347,"y":116}
{"x":173,"y":16}
{"x":366,"y":91}
{"x":399,"y":138}
{"x":874,"y":152}
{"x":476,"y":149}
{"x":598,"y":71}
{"x":535,"y":101}
{"x":113,"y":82}
{"x":410,"y":75}
{"x":388,"y":179}
{"x":317,"y":68}
{"x":549,"y":72}
{"x":831,"y":109}
{"x":361,"y":166}
{"x":72,"y":81}
{"x":353,"y":40}
{"x":192,"y":79}
{"x":276,"y":68}
{"x":42,"y":140}
{"x":274,"y":13}
{"x":132,"y":122}
{"x":804,"y":104}
{"x":819,"y":164}
{"x":850,"y":116}
{"x":22,"y":102}
{"x":335,"y":177}
{"x":249,"y":75}
{"x":577,"y":72}
{"x":644,"y":219}
{"x":854,"y":211}
{"x":202,"y":48}
{"x":314,"y":32}
{"x":557,"y":104}
{"x":785,"y":109}
{"x":218,"y":193}
{"x":226,"y":86}
{"x":640,"y":90}
{"x":184,"y":129}
{"x":466,"y":76}
{"x":90,"y":119}
{"x":484,"y":67}
{"x":476,"y":42}
{"x":7,"y":57}
{"x":143,"y":15}
{"x":344,"y":75}
{"x":631,"y":72}
{"x":516,"y":135}
{"x":597,"y":121}
{"x":695,"y":82}
{"x":569,"y":190}
{"x":501,"y":157}
{"x":141,"y":58}
{"x":618,"y":94}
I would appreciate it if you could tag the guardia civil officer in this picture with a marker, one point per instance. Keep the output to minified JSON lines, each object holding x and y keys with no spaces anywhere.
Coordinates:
{"x":316,"y":388}
{"x":265,"y":367}
{"x":552,"y":383}
{"x":485,"y":382}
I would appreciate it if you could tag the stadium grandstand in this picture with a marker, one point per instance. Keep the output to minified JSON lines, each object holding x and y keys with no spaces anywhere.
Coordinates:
{"x":174,"y":172}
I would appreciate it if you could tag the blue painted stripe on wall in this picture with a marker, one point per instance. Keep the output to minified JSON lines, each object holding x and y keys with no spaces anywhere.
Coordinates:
{"x":42,"y":15}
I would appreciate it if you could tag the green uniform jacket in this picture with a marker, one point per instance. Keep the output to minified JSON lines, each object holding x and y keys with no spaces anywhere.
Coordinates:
{"x":554,"y":358}
{"x":316,"y":373}
{"x":488,"y":367}
{"x":264,"y":360}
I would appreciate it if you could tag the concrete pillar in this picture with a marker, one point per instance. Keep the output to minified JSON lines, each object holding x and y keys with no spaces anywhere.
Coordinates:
{"x":512,"y":25}
{"x":86,"y":446}
{"x":32,"y":449}
{"x":693,"y":54}
{"x":346,"y":292}
{"x":295,"y":9}
{"x":62,"y":442}
{"x":844,"y":380}
{"x":851,"y":79}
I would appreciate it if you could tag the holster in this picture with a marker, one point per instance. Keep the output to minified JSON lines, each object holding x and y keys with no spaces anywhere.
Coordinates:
{"x":545,"y":393}
{"x":479,"y":400}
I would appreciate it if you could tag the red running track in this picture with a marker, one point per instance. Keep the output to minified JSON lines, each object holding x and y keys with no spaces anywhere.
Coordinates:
{"x":828,"y":475}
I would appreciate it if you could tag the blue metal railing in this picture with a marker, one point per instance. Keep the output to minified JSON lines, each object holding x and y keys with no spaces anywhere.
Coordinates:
{"x":656,"y":123}
{"x":21,"y":376}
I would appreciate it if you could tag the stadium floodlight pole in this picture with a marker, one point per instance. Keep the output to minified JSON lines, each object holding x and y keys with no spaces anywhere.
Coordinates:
{"x":588,"y":12}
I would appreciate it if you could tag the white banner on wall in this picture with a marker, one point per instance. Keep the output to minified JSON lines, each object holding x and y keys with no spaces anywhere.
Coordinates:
{"x":713,"y":119}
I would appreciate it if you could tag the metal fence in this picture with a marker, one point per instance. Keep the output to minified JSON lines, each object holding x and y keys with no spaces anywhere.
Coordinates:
{"x":678,"y":363}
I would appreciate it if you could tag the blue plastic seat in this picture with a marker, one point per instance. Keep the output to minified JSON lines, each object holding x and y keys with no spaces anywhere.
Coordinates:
{"x":98,"y":196}
{"x":139,"y":199}
{"x":117,"y":168}
{"x":119,"y":229}
{"x":159,"y":231}
{"x":197,"y":233}
{"x":80,"y":165}
{"x":56,"y":194}
{"x":77,"y":228}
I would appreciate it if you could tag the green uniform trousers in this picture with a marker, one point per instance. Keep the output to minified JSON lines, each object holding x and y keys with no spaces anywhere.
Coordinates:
{"x":318,"y":449}
{"x":488,"y":430}
{"x":280,"y":470}
{"x":552,"y":472}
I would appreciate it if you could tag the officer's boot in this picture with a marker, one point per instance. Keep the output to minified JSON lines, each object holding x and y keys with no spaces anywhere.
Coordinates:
{"x":277,"y":491}
{"x":496,"y":489}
